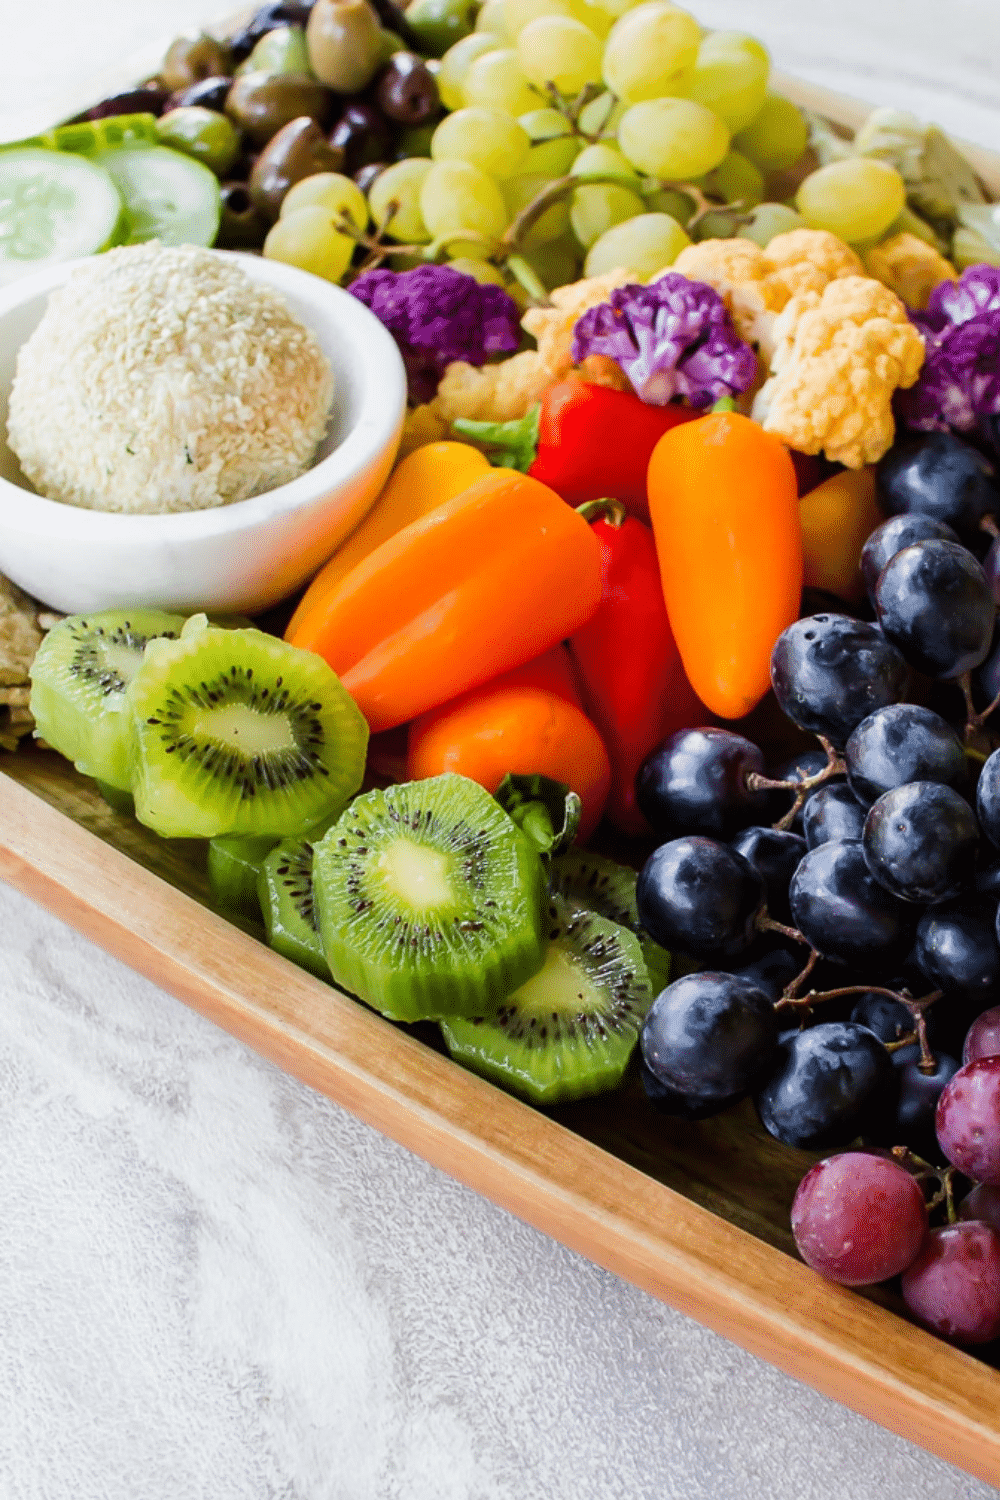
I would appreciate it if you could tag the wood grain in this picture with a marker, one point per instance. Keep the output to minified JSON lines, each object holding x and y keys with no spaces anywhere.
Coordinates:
{"x":692,"y":1214}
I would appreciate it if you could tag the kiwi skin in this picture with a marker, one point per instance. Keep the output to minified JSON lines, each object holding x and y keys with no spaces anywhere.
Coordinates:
{"x":570,"y":1030}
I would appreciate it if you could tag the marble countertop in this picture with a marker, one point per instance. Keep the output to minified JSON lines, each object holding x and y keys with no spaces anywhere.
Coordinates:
{"x":218,"y":1284}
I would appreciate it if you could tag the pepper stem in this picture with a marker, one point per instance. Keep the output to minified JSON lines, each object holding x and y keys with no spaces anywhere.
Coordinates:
{"x":612,"y":511}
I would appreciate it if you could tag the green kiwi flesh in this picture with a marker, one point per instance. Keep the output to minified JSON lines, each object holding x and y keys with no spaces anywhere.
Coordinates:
{"x":608,"y":888}
{"x":233,"y":866}
{"x":287,"y":902}
{"x":236,"y":732}
{"x":79,"y":680}
{"x":430,"y":900}
{"x":570,"y":1030}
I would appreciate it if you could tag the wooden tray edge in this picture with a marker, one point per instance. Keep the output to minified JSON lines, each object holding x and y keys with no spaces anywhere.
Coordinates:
{"x":850,"y":1349}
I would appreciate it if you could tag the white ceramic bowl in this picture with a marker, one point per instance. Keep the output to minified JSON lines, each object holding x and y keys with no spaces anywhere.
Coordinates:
{"x":240,"y":557}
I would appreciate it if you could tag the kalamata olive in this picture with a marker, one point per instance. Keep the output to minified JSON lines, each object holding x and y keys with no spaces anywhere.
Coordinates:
{"x":363,"y":134}
{"x":298,"y":150}
{"x":150,"y":100}
{"x":367,"y":175}
{"x":190,"y":59}
{"x":406,"y":91}
{"x":262,"y":104}
{"x":242,"y":226}
{"x":345,"y":44}
{"x":268,"y":18}
{"x":203,"y":133}
{"x":209,"y":93}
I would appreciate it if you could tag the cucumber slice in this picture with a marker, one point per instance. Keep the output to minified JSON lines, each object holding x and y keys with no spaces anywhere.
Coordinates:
{"x":168,"y":197}
{"x":53,"y":207}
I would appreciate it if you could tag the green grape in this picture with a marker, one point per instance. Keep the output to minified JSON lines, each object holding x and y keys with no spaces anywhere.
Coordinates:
{"x":518,"y":13}
{"x":651,"y":52}
{"x":856,"y":199}
{"x":440,"y":23}
{"x":552,"y":158}
{"x":602,"y":115}
{"x":308,"y":239}
{"x":456,"y":196}
{"x":642,"y":246}
{"x":493,"y":17}
{"x":558,"y":263}
{"x":730,"y":77}
{"x":673,"y":138}
{"x":615,"y":8}
{"x":329,"y":190}
{"x":769,"y":219}
{"x":597,"y":209}
{"x":596,"y":17}
{"x":401,"y":184}
{"x":678,"y":205}
{"x":487,"y":138}
{"x":544,"y":125}
{"x":560,"y":51}
{"x":776,"y":137}
{"x":609,"y":162}
{"x":480,"y":270}
{"x":456,"y":63}
{"x":718,"y":224}
{"x":518,"y":192}
{"x":496,"y":81}
{"x":736,"y":180}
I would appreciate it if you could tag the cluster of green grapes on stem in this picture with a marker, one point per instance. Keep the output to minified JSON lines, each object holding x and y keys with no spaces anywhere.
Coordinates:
{"x":657,"y":118}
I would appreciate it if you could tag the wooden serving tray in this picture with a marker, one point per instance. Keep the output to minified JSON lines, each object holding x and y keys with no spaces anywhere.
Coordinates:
{"x":695,"y":1213}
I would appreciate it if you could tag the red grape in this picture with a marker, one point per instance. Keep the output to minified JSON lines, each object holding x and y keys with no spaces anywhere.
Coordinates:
{"x":968,"y":1120}
{"x":983,"y":1037}
{"x":982,"y":1203}
{"x":953,"y":1287}
{"x":858,"y":1219}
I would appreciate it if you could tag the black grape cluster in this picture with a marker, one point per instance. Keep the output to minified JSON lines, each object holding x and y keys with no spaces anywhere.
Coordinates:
{"x":812,"y":904}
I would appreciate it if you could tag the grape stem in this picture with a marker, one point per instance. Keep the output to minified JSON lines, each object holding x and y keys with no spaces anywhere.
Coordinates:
{"x":925,"y":1171}
{"x":973,"y":721}
{"x":834,"y":767}
{"x":553,"y":192}
{"x":792,"y":1001}
{"x":764,"y":923}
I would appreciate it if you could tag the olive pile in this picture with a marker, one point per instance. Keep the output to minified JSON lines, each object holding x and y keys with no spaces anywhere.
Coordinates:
{"x":306,"y":86}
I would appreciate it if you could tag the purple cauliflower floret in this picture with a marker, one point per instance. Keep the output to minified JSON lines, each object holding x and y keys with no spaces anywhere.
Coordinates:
{"x":437,"y":315}
{"x":671,"y":338}
{"x":959,"y":384}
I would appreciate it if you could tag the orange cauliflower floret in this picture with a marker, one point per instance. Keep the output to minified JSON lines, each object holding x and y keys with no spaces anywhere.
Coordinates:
{"x":839,"y":356}
{"x":910,"y":267}
{"x":503,"y":392}
{"x":756,"y":285}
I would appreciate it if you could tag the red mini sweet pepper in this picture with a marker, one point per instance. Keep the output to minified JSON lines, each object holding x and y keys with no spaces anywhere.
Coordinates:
{"x":584,"y":441}
{"x":628,"y":666}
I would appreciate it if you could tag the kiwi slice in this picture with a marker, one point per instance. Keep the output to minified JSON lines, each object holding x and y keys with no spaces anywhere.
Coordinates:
{"x":430,"y":900}
{"x":233,"y":865}
{"x":570,"y":1030}
{"x":78,"y":687}
{"x":235,"y":731}
{"x":285,"y":893}
{"x":608,"y":888}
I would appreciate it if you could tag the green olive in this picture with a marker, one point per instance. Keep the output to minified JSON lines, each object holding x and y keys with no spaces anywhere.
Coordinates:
{"x":262,"y":103}
{"x":345,"y":42}
{"x":440,"y":23}
{"x":282,"y":50}
{"x":203,"y":133}
{"x":190,"y":59}
{"x":299,"y":150}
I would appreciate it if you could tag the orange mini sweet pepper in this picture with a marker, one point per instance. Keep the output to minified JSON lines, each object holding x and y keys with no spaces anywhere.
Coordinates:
{"x":725,"y":511}
{"x":477,"y":586}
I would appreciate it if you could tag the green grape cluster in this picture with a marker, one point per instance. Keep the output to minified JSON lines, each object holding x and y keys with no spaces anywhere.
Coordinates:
{"x":659,"y":120}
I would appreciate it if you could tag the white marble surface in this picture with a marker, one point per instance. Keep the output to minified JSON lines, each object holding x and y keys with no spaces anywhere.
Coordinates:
{"x":217,"y":1284}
